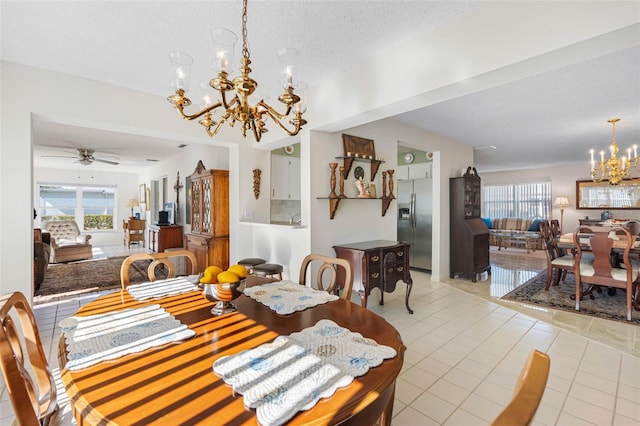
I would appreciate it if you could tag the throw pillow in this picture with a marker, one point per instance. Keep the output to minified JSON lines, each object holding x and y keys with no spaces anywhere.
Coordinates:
{"x":487,"y":221}
{"x":535,"y":225}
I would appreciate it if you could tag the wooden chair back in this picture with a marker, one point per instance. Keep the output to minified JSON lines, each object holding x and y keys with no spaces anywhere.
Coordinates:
{"x":328,"y":264}
{"x":547,"y":240}
{"x":528,"y":392}
{"x":602,"y":247}
{"x":29,"y":381}
{"x":156,"y":260}
{"x":603,"y":271}
{"x":134,"y":231}
{"x":555,"y":227}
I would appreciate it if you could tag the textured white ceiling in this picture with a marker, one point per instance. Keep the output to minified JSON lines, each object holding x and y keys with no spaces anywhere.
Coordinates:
{"x":550,"y":118}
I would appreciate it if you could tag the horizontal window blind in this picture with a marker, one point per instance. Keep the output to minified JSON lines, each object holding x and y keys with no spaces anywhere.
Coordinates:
{"x":523,"y":200}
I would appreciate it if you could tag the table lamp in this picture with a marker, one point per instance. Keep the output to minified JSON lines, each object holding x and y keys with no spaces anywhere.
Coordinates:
{"x":562,"y":202}
{"x":132,"y":203}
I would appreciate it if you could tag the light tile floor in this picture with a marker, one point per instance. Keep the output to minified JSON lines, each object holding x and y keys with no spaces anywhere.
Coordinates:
{"x":465,"y":351}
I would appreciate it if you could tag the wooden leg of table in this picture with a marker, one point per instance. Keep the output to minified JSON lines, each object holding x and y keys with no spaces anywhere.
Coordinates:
{"x":363,"y":298}
{"x":385,"y":418}
{"x":409,"y":282}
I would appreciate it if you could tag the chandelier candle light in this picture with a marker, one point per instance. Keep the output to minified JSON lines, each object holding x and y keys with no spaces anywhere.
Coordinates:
{"x":252,"y":118}
{"x":614,"y":169}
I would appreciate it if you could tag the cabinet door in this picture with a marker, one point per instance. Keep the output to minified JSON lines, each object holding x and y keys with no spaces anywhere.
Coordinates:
{"x":419,"y":170}
{"x":285,"y":178}
{"x":294,"y":178}
{"x":279,"y":177}
{"x":402,"y":173}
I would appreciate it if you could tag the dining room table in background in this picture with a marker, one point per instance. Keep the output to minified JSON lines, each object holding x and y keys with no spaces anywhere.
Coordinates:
{"x":175,"y":383}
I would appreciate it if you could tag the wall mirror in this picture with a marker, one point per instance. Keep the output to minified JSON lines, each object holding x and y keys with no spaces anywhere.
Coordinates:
{"x":601,"y":195}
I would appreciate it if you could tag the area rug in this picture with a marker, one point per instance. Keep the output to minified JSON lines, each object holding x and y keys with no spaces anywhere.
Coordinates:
{"x":559,"y":297}
{"x":87,"y":276}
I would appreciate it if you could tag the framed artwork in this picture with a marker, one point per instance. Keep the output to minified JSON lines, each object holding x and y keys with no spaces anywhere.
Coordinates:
{"x":142,"y":193}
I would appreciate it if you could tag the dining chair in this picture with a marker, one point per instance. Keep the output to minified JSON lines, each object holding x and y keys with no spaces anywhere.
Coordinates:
{"x":157,"y":259}
{"x":555,"y":227}
{"x":134,"y":231}
{"x":30,"y":382}
{"x":558,"y":261}
{"x":527,"y":393}
{"x":328,"y":264}
{"x":601,"y":272}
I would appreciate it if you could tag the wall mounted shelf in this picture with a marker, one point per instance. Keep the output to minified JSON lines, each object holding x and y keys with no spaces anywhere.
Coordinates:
{"x":334,"y":202}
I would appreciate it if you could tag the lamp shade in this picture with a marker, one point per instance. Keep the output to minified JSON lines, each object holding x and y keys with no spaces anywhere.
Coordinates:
{"x":562,"y":201}
{"x":132,"y":203}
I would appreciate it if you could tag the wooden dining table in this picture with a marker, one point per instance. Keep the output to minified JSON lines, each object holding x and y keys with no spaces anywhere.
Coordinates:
{"x":175,"y":384}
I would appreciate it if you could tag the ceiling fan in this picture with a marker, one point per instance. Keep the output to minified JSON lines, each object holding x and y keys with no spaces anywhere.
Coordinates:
{"x":85,"y":157}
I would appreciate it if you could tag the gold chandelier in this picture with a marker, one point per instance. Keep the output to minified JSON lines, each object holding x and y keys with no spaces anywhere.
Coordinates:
{"x":614,"y":169}
{"x":238,"y":109}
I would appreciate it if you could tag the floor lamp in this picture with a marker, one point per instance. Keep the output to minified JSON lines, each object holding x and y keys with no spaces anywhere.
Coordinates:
{"x":562,"y":202}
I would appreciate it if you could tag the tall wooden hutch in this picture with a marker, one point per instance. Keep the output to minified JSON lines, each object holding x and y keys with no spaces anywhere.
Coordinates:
{"x":469,"y":242}
{"x":209,"y":235}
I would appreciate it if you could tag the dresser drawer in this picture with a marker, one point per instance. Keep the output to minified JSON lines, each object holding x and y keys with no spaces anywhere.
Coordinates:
{"x":394,"y":254}
{"x":374,"y":276}
{"x":392,"y":274}
{"x":374,"y":258}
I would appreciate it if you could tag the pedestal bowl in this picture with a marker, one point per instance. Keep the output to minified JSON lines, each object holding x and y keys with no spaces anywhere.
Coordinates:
{"x":223,"y":294}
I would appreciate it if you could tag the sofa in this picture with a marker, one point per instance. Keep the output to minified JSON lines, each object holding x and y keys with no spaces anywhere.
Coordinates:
{"x":67,"y":244}
{"x":499,"y":228}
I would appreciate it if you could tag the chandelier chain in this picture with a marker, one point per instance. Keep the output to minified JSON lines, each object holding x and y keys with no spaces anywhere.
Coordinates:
{"x":245,"y":48}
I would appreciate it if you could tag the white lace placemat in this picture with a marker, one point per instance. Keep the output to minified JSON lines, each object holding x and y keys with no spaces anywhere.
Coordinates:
{"x":293,"y":372}
{"x":286,"y":297}
{"x":161,"y":288}
{"x":96,"y":338}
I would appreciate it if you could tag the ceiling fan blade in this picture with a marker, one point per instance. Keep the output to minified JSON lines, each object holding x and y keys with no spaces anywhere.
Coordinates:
{"x":59,"y":156}
{"x":106,"y":161}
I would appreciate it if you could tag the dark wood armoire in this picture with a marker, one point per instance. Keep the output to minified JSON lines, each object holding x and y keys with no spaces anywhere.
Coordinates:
{"x":209,"y":235}
{"x":469,"y":235}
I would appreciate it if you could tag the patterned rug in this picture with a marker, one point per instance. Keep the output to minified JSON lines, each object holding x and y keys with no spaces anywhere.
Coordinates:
{"x":559,"y":297}
{"x":66,"y":279}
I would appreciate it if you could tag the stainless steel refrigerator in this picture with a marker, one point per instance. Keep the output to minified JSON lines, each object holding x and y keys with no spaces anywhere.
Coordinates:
{"x":415,"y":213}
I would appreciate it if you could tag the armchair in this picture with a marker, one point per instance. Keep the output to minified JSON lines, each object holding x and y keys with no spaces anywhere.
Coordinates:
{"x":66,"y":242}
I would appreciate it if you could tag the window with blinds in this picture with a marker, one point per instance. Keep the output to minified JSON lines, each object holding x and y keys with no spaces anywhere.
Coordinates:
{"x":524,"y":200}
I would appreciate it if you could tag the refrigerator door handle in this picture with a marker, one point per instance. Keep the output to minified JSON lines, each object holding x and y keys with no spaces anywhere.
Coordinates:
{"x":413,"y":211}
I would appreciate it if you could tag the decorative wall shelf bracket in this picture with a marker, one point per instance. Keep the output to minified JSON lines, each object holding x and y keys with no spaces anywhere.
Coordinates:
{"x":386,"y":202}
{"x":333,"y":206}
